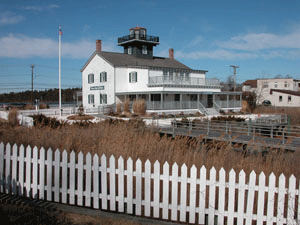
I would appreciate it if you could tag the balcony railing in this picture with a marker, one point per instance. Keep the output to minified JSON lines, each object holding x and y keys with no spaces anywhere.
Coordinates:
{"x":183,"y":82}
{"x":138,"y":37}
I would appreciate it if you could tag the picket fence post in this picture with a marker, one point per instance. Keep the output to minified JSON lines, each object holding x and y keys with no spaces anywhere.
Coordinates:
{"x":21,"y":170}
{"x":121,"y":184}
{"x":14,"y":169}
{"x":129,"y":186}
{"x":156,"y":189}
{"x":72,"y":178}
{"x":7,"y":168}
{"x":96,"y":181}
{"x":147,"y":188}
{"x":112,"y":181}
{"x":174,"y":192}
{"x":42,"y":174}
{"x":103,"y":182}
{"x":1,"y":167}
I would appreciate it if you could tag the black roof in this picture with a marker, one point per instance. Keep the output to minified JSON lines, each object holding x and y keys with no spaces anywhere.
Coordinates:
{"x":124,"y":60}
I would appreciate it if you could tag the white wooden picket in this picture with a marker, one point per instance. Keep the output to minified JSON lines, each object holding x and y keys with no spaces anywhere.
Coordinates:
{"x":164,"y":191}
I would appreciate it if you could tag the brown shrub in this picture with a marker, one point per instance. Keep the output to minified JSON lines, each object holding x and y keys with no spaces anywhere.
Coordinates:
{"x":126,"y":106}
{"x":44,"y":106}
{"x":13,"y":117}
{"x":119,"y":108}
{"x":139,"y":107}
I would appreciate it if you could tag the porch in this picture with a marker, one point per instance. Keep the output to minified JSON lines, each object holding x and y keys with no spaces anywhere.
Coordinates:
{"x":163,"y":101}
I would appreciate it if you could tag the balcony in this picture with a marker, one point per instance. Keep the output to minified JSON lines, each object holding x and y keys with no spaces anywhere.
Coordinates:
{"x":141,"y":37}
{"x":186,"y":82}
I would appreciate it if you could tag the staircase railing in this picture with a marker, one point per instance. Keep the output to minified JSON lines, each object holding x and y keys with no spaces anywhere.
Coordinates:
{"x":202,"y":109}
{"x":217,"y":107}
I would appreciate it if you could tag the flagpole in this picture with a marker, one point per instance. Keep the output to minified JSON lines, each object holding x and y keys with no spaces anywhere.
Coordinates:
{"x":59,"y":68}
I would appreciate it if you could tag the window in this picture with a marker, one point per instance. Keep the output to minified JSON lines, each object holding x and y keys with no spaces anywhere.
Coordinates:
{"x":129,"y":50}
{"x":131,"y":33}
{"x":144,"y":49}
{"x":103,"y":98}
{"x":289,"y":98}
{"x":103,"y":77}
{"x":193,"y":97}
{"x":156,"y":97}
{"x":285,"y":84}
{"x":165,"y":74}
{"x":187,"y":77}
{"x":276,"y":85}
{"x":280,"y":98}
{"x":91,"y":99}
{"x":171,"y":75}
{"x":132,"y":77}
{"x":177,"y":97}
{"x":91,"y":78}
{"x":265,"y":85}
{"x":181,"y":76}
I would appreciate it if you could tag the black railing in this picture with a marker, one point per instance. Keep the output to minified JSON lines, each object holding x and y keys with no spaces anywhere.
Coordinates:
{"x":138,"y":37}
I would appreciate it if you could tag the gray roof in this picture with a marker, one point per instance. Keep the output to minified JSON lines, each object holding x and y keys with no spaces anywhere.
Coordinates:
{"x":125,"y":60}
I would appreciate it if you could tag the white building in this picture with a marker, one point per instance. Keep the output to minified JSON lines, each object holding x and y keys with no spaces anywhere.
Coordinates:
{"x":283,"y":92}
{"x":164,"y":83}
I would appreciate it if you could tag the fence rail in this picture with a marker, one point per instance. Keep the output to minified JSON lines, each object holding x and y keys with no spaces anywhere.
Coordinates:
{"x":161,"y":191}
{"x":273,"y":130}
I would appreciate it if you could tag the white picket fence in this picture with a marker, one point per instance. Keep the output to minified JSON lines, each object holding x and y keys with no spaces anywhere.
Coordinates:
{"x":185,"y":195}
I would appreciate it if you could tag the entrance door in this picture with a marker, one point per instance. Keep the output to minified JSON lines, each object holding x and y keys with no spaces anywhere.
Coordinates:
{"x":210,"y":102}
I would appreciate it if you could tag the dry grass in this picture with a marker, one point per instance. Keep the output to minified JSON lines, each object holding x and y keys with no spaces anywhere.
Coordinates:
{"x":80,"y":117}
{"x":13,"y":117}
{"x":132,"y":139}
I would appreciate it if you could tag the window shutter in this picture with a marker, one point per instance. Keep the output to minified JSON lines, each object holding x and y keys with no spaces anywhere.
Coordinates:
{"x":130,"y":77}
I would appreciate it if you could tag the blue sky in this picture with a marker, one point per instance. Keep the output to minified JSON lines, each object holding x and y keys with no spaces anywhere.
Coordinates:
{"x":261,"y":37}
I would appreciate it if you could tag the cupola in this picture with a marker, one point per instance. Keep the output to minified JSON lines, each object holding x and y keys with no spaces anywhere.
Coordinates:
{"x":138,"y":43}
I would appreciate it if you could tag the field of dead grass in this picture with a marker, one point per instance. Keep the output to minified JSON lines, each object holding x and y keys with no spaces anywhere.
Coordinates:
{"x":132,"y":139}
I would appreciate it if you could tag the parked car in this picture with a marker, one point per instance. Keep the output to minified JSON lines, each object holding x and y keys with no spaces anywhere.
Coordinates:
{"x":16,"y":105}
{"x":266,"y":103}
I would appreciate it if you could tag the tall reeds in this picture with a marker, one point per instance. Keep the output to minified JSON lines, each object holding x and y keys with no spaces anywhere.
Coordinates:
{"x":133,"y":139}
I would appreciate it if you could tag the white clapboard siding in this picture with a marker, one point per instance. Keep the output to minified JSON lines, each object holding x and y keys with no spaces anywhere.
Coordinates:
{"x":152,"y":190}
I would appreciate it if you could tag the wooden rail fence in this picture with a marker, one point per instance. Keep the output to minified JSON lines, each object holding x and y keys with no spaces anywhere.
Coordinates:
{"x":166,"y":192}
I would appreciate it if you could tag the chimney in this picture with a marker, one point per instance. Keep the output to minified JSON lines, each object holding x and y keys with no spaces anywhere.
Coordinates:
{"x":171,"y":53}
{"x":98,"y":46}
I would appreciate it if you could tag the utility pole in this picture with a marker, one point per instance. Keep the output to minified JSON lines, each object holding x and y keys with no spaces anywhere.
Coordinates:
{"x":234,"y":74}
{"x":32,"y":66}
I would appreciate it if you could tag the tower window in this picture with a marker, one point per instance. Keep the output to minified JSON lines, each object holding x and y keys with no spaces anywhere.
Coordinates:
{"x":129,"y":50}
{"x":144,"y":49}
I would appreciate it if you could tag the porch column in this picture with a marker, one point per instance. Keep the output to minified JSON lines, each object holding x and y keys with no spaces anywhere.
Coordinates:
{"x":161,"y":100}
{"x":136,"y":97}
{"x":240,"y":100}
{"x":197,"y":100}
{"x":214,"y":99}
{"x":180,"y":101}
{"x":227,"y":100}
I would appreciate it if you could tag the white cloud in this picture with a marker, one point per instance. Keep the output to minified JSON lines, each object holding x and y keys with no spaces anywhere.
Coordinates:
{"x":7,"y":18}
{"x":215,"y":54}
{"x":260,"y":41}
{"x":39,"y":8}
{"x":13,"y":46}
{"x":195,"y":42}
